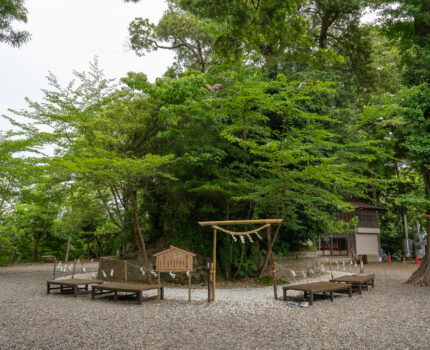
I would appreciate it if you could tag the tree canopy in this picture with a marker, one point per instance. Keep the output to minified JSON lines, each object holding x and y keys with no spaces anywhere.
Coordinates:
{"x":271,"y":109}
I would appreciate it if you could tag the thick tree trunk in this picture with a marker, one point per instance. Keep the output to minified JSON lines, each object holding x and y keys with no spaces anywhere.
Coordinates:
{"x":422,"y":274}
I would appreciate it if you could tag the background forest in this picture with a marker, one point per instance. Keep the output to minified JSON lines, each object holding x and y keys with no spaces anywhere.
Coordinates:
{"x":272,"y":108}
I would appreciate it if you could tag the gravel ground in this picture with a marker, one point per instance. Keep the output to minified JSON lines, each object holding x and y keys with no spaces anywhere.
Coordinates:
{"x":392,"y":316}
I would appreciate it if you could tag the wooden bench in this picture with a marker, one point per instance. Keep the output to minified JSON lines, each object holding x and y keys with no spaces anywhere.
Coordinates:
{"x":357,"y":281}
{"x":70,"y":285}
{"x":311,"y":289}
{"x":134,"y":288}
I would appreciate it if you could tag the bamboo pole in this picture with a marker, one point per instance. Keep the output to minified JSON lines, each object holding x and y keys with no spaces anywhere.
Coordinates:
{"x":125,"y":271}
{"x":269,"y":246}
{"x":210,"y":283}
{"x":159,"y":286}
{"x":240,"y":222}
{"x":189,"y":286}
{"x":214,"y":267}
{"x":331,"y":269}
{"x":275,"y":277}
{"x":74,"y":267}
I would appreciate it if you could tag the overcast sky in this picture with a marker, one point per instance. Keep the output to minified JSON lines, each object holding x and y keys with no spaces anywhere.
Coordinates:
{"x":66,"y":35}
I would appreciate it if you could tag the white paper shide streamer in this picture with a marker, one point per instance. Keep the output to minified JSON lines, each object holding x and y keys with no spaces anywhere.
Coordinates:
{"x":104,"y":274}
{"x":250,"y":239}
{"x":242,"y":239}
{"x":234,"y":238}
{"x":111,"y":272}
{"x":153,"y":273}
{"x":143,"y":271}
{"x":259,"y":237}
{"x":293,"y":273}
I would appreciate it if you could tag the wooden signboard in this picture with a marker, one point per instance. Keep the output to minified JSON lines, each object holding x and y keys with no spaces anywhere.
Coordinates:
{"x":174,"y":260}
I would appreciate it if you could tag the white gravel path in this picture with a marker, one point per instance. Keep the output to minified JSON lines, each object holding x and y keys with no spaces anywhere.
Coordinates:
{"x":392,"y":316}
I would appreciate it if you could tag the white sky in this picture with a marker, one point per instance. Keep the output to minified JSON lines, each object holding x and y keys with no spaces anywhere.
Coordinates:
{"x":66,"y":35}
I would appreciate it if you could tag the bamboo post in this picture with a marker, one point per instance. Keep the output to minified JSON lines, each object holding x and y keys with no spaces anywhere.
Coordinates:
{"x":209,"y":270}
{"x":125,"y":271}
{"x":331,"y":269}
{"x":189,"y":286}
{"x":159,"y":286}
{"x":74,"y":267}
{"x":214,"y":267}
{"x":269,"y":246}
{"x":275,"y":277}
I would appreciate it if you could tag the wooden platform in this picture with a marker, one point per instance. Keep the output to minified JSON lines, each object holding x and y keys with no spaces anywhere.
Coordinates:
{"x":70,"y":285}
{"x":311,"y":289}
{"x":357,"y":281}
{"x":133,"y":288}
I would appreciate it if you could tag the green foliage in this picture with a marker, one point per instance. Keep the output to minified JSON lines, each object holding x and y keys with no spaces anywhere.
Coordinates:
{"x":10,"y":11}
{"x":190,"y":38}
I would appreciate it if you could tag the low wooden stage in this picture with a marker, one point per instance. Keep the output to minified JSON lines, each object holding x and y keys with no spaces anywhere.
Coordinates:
{"x":310,"y":289}
{"x":133,"y":288}
{"x":73,"y":285}
{"x":357,"y":281}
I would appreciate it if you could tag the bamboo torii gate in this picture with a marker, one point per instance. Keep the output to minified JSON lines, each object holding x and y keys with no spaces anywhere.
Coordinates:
{"x":267,"y":223}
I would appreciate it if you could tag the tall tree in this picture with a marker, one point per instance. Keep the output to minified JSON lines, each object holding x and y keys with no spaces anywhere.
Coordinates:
{"x":180,"y":31}
{"x":409,"y":22}
{"x":102,"y":138}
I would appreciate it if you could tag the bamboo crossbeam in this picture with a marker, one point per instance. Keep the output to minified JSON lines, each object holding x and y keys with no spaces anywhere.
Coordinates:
{"x":240,"y":233}
{"x":240,"y":222}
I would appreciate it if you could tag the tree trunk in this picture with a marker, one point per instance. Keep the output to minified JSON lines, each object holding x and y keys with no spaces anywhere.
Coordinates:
{"x":266,"y":260}
{"x":88,"y":247}
{"x":240,"y":262}
{"x":36,"y":247}
{"x":66,"y":259}
{"x":136,"y":227}
{"x":422,"y":275}
{"x":14,"y":256}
